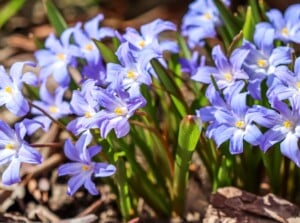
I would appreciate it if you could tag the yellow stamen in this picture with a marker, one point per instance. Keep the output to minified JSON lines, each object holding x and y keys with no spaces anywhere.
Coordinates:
{"x":208,"y":16}
{"x":287,"y":124}
{"x":285,"y":31}
{"x":88,"y":114}
{"x":228,"y":77}
{"x":240,"y":124}
{"x":8,"y":89}
{"x":9,"y":146}
{"x":142,"y":44}
{"x":131,"y":74}
{"x":298,"y":85}
{"x":120,"y":111}
{"x":88,"y":47}
{"x":262,"y":63}
{"x":61,"y":56}
{"x":53,"y":109}
{"x":85,"y":167}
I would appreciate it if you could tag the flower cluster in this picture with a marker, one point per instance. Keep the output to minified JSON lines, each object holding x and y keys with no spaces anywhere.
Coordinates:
{"x":255,"y":88}
{"x":252,"y":90}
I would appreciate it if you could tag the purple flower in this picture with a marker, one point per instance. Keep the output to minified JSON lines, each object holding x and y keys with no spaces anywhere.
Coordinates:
{"x":262,"y":63}
{"x":200,"y":21}
{"x":236,"y":125}
{"x":285,"y":128}
{"x":282,"y":27}
{"x":228,"y":73}
{"x":11,"y":88}
{"x":288,"y":84}
{"x":191,"y":65}
{"x":84,"y":38}
{"x":149,"y":34}
{"x":130,"y":74}
{"x":86,"y":108}
{"x":83,"y":168}
{"x":118,"y":107}
{"x":53,"y":104}
{"x":15,"y":150}
{"x":58,"y":55}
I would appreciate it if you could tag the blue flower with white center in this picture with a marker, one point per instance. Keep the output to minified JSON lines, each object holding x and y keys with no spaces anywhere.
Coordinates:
{"x":53,"y":104}
{"x":57,"y":57}
{"x":128,"y":75}
{"x":284,"y":128}
{"x":15,"y":150}
{"x":11,"y":88}
{"x":284,"y":27}
{"x":262,"y":62}
{"x":83,"y":168}
{"x":235,"y":125}
{"x":288,"y":84}
{"x":85,"y":107}
{"x":117,"y":108}
{"x":228,"y":73}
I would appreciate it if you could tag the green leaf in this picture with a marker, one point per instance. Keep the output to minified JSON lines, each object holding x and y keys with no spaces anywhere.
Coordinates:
{"x":189,"y":134}
{"x":170,"y":85}
{"x":183,"y":46}
{"x":55,"y":17}
{"x":255,"y":10}
{"x":229,"y":20}
{"x":249,"y":25}
{"x":108,"y":55}
{"x":9,"y":10}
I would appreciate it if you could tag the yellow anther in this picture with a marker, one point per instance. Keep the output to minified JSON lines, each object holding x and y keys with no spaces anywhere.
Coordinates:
{"x":61,"y":56}
{"x":88,"y":114}
{"x":85,"y":167}
{"x":298,"y":85}
{"x":287,"y":124}
{"x":240,"y":124}
{"x":131,"y":74}
{"x":120,"y":111}
{"x":8,"y":89}
{"x":9,"y":146}
{"x":228,"y":77}
{"x":53,"y":109}
{"x":262,"y":63}
{"x":142,"y":44}
{"x":88,"y":47}
{"x":285,"y":31}
{"x":208,"y":16}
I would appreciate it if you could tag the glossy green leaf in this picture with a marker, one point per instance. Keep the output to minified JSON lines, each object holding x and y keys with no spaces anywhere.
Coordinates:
{"x":249,"y":25}
{"x":9,"y":10}
{"x":189,"y":134}
{"x":170,"y":85}
{"x":108,"y":55}
{"x":229,"y":21}
{"x":55,"y":18}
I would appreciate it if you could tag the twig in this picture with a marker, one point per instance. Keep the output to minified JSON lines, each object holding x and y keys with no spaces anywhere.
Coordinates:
{"x":92,"y":208}
{"x":85,"y":219}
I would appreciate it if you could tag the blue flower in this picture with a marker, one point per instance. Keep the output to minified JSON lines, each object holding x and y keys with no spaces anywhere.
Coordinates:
{"x":285,"y":129}
{"x":288,"y":84}
{"x":118,"y":107}
{"x":262,"y":62}
{"x":85,"y":107}
{"x":58,"y":55}
{"x":83,"y":168}
{"x":282,"y":27}
{"x":15,"y":150}
{"x":11,"y":88}
{"x":53,"y":104}
{"x":130,"y":74}
{"x":200,"y":21}
{"x":228,"y":73}
{"x":235,"y":125}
